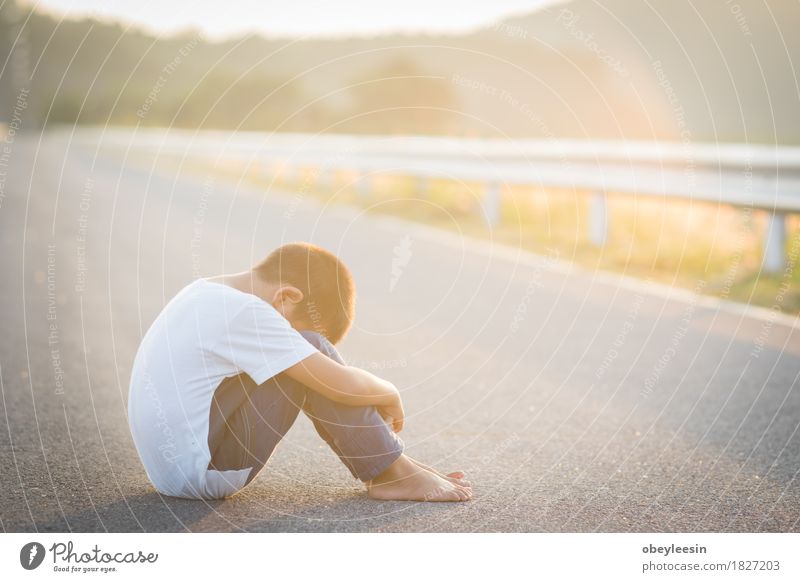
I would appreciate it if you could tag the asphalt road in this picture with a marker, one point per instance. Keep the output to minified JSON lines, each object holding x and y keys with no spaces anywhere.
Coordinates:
{"x":576,"y":401}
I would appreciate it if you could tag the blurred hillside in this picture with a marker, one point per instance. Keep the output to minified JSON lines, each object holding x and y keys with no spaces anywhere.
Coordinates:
{"x":665,"y":69}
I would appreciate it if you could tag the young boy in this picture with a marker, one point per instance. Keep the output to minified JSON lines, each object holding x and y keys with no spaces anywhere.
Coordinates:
{"x":226,"y":367}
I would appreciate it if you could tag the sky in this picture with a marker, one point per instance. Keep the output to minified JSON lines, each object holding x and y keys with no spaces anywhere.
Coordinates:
{"x":220,"y":19}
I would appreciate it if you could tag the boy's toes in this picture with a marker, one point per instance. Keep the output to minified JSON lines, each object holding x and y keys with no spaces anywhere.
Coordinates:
{"x":465,"y":494}
{"x":454,"y":494}
{"x":465,"y":491}
{"x":460,"y":495}
{"x":458,"y":477}
{"x":451,"y":493}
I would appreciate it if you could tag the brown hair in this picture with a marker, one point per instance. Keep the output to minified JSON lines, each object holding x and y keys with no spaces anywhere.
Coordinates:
{"x":329,"y":292}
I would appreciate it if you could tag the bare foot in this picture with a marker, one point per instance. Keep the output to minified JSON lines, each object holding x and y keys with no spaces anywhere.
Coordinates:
{"x":405,"y":480}
{"x":455,"y":477}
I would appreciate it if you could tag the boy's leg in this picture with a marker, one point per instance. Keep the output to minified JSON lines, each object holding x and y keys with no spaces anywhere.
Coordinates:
{"x":373,"y":452}
{"x":247,"y":421}
{"x":357,"y":434}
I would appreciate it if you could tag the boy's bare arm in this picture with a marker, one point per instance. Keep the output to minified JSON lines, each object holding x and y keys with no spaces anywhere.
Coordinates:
{"x":349,"y":385}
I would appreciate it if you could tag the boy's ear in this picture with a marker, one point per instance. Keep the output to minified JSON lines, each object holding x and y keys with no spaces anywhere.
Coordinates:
{"x":287,"y":294}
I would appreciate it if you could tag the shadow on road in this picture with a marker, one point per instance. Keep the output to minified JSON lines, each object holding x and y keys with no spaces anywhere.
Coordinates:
{"x":147,"y":512}
{"x":252,"y":511}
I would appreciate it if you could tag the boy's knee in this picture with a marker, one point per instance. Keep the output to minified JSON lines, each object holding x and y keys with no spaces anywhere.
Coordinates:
{"x":320,"y":342}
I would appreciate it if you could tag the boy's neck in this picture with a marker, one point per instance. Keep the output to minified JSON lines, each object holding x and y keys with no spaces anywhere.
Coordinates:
{"x":248,"y":282}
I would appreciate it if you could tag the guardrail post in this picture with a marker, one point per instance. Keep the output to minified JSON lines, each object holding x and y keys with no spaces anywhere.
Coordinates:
{"x":598,"y":218}
{"x":774,"y":259}
{"x":491,"y":204}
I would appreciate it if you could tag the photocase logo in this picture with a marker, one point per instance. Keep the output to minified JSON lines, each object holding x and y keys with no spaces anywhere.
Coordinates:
{"x":31,"y":555}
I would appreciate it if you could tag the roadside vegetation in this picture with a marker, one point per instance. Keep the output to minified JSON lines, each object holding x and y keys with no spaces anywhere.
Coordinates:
{"x":707,"y":248}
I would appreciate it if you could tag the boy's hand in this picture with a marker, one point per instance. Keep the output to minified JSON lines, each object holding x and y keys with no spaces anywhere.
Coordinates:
{"x":393,"y":414}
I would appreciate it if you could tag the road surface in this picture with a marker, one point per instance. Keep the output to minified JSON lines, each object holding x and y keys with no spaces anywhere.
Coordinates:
{"x":576,"y":401}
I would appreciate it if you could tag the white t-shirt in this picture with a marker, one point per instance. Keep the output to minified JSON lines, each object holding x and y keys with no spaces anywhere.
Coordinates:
{"x":208,"y":332}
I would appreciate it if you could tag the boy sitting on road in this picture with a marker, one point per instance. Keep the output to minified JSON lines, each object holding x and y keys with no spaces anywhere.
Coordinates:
{"x":228,"y":364}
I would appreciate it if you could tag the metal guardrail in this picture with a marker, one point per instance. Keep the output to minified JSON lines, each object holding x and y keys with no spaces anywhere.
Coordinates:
{"x":759,"y":177}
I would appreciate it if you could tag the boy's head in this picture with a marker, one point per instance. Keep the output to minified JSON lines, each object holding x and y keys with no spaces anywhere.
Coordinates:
{"x":313,"y":289}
